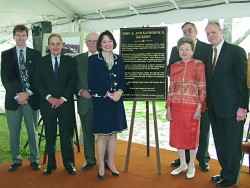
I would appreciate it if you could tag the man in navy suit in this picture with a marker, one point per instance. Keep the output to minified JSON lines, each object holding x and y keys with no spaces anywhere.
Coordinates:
{"x":201,"y":51}
{"x":55,"y":81}
{"x":21,"y":99}
{"x":227,"y":99}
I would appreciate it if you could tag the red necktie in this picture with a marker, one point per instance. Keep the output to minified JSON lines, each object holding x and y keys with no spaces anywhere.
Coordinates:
{"x":214,"y":60}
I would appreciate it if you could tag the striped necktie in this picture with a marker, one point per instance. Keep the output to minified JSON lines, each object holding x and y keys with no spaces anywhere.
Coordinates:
{"x":214,"y":60}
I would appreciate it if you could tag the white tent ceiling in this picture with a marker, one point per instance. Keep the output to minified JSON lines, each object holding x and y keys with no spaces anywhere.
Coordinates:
{"x":98,"y":15}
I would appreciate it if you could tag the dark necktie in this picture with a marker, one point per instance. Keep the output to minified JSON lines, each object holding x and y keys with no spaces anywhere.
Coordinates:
{"x":214,"y":60}
{"x":23,"y":72}
{"x":56,"y":68}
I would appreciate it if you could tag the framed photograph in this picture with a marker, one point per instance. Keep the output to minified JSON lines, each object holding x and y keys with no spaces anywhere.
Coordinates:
{"x":72,"y":43}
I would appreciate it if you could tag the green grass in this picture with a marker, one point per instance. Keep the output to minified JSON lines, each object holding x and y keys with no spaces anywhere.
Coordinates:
{"x":5,"y":155}
{"x":141,"y":109}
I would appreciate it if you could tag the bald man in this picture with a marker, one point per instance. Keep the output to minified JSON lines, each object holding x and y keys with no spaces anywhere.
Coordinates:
{"x":84,"y":101}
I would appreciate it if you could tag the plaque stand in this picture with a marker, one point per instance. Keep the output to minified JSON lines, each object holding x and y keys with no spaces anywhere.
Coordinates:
{"x":147,"y":132}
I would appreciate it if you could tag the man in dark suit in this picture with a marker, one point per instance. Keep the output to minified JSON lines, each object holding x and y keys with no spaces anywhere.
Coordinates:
{"x":84,"y":102}
{"x":55,"y":81}
{"x":21,"y":99}
{"x":227,"y":98}
{"x":201,"y":51}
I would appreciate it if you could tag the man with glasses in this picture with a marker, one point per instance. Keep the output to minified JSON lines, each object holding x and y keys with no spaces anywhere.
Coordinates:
{"x":84,"y":101}
{"x":201,"y":51}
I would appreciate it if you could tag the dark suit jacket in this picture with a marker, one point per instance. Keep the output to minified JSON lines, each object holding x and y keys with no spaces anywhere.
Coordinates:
{"x":46,"y":84}
{"x":82,"y":83}
{"x":227,"y":87}
{"x":201,"y":51}
{"x":97,"y":66}
{"x":11,"y":79}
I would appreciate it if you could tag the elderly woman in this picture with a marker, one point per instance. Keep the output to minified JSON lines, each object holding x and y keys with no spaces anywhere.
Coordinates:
{"x":106,"y":79}
{"x":187,"y":92}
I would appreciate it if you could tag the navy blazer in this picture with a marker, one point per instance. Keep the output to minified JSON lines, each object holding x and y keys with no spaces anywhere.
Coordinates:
{"x":99,"y":78}
{"x":227,"y":86}
{"x":11,"y":78}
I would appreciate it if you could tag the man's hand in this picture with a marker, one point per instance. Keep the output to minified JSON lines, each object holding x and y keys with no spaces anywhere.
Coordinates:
{"x":55,"y":103}
{"x":85,"y":94}
{"x":22,"y":97}
{"x":241,"y":114}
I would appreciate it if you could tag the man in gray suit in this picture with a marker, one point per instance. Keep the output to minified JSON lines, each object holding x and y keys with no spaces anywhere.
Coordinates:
{"x":21,"y":99}
{"x":84,"y":102}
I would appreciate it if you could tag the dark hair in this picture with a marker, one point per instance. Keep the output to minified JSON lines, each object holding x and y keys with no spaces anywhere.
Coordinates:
{"x":184,"y":40}
{"x":20,"y":28}
{"x":99,"y":41}
{"x":55,"y":35}
{"x":187,"y":23}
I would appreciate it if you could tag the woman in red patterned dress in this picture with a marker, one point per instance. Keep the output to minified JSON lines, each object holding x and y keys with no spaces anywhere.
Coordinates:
{"x":187,"y":93}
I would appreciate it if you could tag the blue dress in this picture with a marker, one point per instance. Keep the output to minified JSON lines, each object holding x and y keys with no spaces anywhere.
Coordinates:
{"x":109,"y":116}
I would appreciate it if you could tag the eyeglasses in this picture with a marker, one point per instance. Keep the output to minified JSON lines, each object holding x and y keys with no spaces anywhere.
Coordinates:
{"x":91,"y":42}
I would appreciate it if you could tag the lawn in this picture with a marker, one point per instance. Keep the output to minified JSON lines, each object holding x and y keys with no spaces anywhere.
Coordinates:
{"x":5,"y":155}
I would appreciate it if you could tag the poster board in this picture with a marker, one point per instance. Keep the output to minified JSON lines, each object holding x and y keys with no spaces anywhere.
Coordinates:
{"x":72,"y":43}
{"x":144,"y":51}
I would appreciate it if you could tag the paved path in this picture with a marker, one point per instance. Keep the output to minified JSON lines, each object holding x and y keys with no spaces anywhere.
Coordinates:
{"x":139,"y":132}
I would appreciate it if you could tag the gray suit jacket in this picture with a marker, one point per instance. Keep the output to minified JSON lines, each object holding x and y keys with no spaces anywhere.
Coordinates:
{"x":82,"y":83}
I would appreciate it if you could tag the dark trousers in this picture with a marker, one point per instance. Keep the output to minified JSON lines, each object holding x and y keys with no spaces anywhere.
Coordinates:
{"x":66,"y":130}
{"x":228,"y":135}
{"x":202,"y":152}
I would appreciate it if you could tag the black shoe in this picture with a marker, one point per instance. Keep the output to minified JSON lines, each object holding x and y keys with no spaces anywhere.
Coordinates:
{"x":106,"y":166}
{"x":13,"y":167}
{"x":100,"y":177}
{"x":88,"y":166}
{"x":35,"y":166}
{"x":49,"y":170}
{"x":217,"y":178}
{"x":176,"y":162}
{"x":71,"y":170}
{"x":113,"y":173}
{"x":204,"y":167}
{"x":225,"y":183}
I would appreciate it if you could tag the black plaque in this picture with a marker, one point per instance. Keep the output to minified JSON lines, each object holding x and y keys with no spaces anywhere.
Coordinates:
{"x":144,"y":51}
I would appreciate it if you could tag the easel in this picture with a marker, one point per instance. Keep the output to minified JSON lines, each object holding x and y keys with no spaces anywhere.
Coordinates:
{"x":147,"y":128}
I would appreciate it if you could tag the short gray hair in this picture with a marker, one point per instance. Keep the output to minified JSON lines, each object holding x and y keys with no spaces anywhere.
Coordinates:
{"x":184,"y":40}
{"x":55,"y":35}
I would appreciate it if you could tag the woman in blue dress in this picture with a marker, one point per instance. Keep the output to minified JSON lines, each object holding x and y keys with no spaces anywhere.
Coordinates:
{"x":106,"y":79}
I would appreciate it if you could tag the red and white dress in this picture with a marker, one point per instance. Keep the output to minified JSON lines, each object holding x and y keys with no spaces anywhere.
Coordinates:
{"x":187,"y":89}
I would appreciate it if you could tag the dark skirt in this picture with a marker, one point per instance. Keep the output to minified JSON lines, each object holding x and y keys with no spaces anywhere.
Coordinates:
{"x":184,"y":130}
{"x":109,"y":116}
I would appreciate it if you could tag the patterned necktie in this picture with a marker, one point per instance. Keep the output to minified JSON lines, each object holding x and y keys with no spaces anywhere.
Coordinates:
{"x":214,"y":60}
{"x":23,"y":72}
{"x":56,"y":68}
